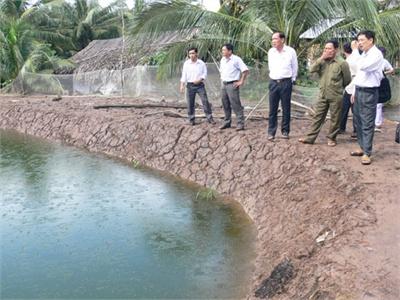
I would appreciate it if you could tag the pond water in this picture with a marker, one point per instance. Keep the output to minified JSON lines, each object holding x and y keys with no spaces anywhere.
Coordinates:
{"x":79,"y":225}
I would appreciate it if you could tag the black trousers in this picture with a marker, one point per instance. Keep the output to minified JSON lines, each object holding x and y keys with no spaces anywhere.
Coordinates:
{"x":345,"y":112}
{"x":192,"y":90}
{"x":279,"y":91}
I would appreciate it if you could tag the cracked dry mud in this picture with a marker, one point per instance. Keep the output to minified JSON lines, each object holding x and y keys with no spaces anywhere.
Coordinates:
{"x":295,"y":194}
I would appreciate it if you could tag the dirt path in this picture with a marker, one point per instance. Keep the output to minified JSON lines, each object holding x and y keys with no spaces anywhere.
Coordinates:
{"x":333,"y":222}
{"x":375,"y":253}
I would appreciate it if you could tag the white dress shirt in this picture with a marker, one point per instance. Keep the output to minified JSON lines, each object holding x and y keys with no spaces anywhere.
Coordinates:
{"x":232,"y":67}
{"x":282,"y":64}
{"x":370,"y":67}
{"x":193,"y":71}
{"x":386,"y":65}
{"x":352,"y":60}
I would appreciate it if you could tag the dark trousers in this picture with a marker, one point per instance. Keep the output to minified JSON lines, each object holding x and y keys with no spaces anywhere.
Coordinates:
{"x":364,"y":116}
{"x":231,"y":100}
{"x":345,"y":112}
{"x":192,"y":90}
{"x":279,"y":91}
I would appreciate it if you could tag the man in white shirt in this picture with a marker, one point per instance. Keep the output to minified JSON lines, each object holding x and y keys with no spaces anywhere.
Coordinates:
{"x":352,"y":55}
{"x":194,"y":73}
{"x":387,"y":70}
{"x":283,"y":66}
{"x":233,"y":75}
{"x":366,"y":94}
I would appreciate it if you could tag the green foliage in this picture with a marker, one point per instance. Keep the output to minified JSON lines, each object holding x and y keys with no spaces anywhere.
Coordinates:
{"x":206,"y":194}
{"x":37,"y":38}
{"x":135,"y":163}
{"x":250,"y":24}
{"x":155,"y":59}
{"x":304,"y":77}
{"x":83,"y":21}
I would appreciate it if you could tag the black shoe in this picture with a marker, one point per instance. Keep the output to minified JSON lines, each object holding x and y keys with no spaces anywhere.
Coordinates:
{"x":225,"y":126}
{"x":239,"y":128}
{"x":192,"y":122}
{"x":285,"y":135}
{"x":211,"y":121}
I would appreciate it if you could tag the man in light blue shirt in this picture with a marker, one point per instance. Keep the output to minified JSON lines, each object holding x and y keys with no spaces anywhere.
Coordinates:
{"x":233,"y":75}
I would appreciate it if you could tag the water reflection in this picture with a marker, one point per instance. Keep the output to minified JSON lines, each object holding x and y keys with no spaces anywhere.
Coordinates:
{"x":79,"y":226}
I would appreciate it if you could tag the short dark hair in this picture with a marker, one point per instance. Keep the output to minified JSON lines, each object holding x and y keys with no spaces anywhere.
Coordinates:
{"x":368,"y":34}
{"x":228,"y":46}
{"x":347,"y":48}
{"x":193,"y":48}
{"x":335,"y":43}
{"x":281,"y":34}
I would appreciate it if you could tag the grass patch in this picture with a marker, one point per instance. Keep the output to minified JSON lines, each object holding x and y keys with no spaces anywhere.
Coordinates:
{"x":135,"y":163}
{"x":206,"y":194}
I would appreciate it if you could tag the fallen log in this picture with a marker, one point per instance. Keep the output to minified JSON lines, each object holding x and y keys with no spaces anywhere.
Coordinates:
{"x":148,"y":105}
{"x":298,"y":104}
{"x":172,"y":114}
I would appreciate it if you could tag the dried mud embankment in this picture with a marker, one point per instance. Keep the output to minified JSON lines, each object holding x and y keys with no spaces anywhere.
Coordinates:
{"x":304,"y":205}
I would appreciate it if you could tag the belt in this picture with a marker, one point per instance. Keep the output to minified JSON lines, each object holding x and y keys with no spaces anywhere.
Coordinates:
{"x":281,"y":80}
{"x":229,"y":82}
{"x":367,"y":88}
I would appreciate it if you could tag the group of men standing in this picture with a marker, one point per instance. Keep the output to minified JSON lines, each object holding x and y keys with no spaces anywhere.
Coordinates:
{"x":360,"y":77}
{"x":233,"y":75}
{"x":351,"y":82}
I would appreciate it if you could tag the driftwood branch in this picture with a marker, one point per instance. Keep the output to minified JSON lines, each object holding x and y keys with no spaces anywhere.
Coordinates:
{"x":157,"y":112}
{"x":255,"y":107}
{"x":298,"y":104}
{"x":173,"y":114}
{"x":149,"y":105}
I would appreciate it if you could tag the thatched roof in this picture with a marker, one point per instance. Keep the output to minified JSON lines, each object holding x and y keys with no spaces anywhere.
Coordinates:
{"x":106,"y":54}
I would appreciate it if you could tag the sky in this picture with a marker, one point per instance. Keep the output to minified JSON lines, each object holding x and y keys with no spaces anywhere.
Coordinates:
{"x":209,"y":4}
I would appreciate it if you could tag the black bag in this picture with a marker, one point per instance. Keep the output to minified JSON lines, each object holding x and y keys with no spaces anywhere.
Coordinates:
{"x":397,"y":137}
{"x":384,"y":90}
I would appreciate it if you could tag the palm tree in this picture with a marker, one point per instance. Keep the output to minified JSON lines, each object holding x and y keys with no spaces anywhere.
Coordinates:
{"x":250,"y":24}
{"x":85,"y":20}
{"x":23,"y":36}
{"x":32,"y":36}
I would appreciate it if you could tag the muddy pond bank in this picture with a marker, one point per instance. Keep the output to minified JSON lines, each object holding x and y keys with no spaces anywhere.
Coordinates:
{"x":313,"y":206}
